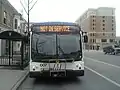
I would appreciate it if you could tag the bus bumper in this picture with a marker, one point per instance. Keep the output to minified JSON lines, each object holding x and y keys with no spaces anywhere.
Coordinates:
{"x":69,"y":73}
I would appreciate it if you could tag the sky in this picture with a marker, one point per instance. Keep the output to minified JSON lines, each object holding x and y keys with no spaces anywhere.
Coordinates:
{"x":65,"y":10}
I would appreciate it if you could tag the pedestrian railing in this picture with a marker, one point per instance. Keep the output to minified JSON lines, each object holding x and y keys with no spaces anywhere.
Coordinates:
{"x":7,"y":61}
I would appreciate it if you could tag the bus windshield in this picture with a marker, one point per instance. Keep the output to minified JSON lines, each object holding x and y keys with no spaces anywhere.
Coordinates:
{"x":68,"y":46}
{"x":46,"y":46}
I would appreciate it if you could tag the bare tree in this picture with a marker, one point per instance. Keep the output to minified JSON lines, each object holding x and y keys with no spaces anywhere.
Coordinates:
{"x":28,"y":9}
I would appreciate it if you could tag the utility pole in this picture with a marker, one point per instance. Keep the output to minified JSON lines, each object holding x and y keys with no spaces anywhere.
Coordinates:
{"x":28,"y":9}
{"x":28,"y":16}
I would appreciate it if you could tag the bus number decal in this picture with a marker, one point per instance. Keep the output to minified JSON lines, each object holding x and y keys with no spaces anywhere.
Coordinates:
{"x":43,"y":65}
{"x":57,"y":66}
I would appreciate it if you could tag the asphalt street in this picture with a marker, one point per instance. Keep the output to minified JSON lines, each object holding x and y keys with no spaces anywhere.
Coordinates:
{"x":102,"y":72}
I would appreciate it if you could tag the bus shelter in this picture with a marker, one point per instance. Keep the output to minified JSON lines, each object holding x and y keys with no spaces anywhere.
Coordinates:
{"x":14,"y":49}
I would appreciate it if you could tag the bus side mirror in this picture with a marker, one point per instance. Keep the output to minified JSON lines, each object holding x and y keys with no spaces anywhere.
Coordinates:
{"x":85,"y":37}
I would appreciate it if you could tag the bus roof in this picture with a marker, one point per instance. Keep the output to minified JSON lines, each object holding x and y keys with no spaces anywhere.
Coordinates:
{"x":55,"y":23}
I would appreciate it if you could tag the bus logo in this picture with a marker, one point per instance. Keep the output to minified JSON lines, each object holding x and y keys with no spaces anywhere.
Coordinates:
{"x":57,"y":61}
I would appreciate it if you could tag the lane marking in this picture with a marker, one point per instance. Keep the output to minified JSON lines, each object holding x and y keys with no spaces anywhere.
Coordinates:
{"x":113,"y":82}
{"x":95,"y":60}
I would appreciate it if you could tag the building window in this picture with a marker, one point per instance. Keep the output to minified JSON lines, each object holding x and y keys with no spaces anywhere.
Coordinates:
{"x":112,"y":12}
{"x":93,"y":47}
{"x":111,"y":40}
{"x":119,"y":42}
{"x":16,"y":23}
{"x":103,"y":34}
{"x":103,"y":20}
{"x":103,"y":40}
{"x":112,"y":20}
{"x":94,"y":40}
{"x":90,"y":47}
{"x":18,"y":45}
{"x":112,"y":34}
{"x":103,"y":24}
{"x":90,"y":40}
{"x":11,"y":20}
{"x":112,"y":28}
{"x":93,"y":20}
{"x":93,"y":28}
{"x":5,"y":17}
{"x":103,"y":28}
{"x":103,"y":16}
{"x":90,"y":34}
{"x":93,"y":24}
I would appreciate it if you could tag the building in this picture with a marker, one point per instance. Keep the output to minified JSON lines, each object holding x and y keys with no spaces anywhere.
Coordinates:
{"x":10,"y":19}
{"x":100,"y":24}
{"x":20,"y":27}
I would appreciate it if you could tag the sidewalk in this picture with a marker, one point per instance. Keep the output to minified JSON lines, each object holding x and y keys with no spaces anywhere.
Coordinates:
{"x":92,"y":51}
{"x":11,"y":79}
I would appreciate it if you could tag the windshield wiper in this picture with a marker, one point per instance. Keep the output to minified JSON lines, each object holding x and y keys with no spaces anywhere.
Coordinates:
{"x":63,"y":53}
{"x":61,"y":49}
{"x":41,"y":43}
{"x":77,"y":54}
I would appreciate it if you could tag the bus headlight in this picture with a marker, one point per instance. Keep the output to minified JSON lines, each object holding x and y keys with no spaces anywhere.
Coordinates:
{"x":77,"y":65}
{"x":33,"y":68}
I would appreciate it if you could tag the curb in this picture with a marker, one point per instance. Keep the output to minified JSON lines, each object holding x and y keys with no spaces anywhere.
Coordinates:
{"x":93,"y":51}
{"x":20,"y":81}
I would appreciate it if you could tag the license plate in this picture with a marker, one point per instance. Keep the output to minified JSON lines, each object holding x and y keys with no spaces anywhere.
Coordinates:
{"x":58,"y":74}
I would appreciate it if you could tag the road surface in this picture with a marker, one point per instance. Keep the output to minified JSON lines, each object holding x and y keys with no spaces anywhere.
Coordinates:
{"x":102,"y":72}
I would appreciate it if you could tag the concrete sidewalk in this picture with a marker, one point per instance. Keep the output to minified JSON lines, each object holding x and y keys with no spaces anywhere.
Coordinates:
{"x":11,"y":79}
{"x":92,"y":51}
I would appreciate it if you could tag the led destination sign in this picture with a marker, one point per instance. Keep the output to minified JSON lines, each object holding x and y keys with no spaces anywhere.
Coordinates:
{"x":54,"y":28}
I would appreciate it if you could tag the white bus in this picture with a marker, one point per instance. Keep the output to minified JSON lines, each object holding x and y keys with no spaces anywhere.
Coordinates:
{"x":56,"y":50}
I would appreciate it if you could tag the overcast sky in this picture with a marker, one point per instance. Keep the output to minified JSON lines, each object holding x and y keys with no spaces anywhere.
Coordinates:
{"x":65,"y":10}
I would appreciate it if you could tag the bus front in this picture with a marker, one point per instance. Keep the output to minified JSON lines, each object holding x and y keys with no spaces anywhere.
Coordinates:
{"x":56,"y":51}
